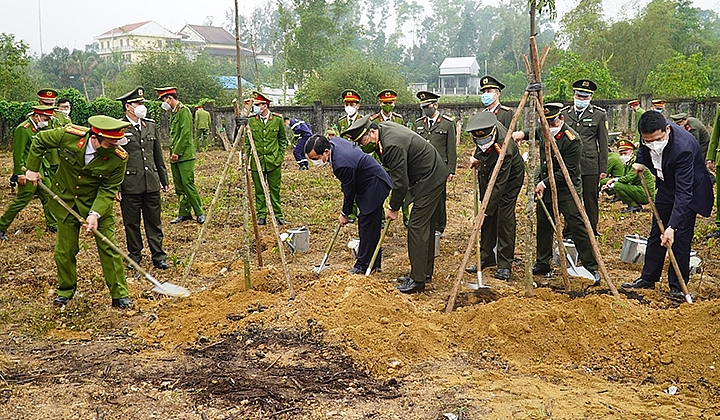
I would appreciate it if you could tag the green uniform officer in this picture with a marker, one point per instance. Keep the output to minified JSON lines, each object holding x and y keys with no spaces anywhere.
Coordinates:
{"x":268,"y":132}
{"x":351,"y":101}
{"x":438,"y":130}
{"x":48,"y":97}
{"x":635,"y":107}
{"x":387,"y":104}
{"x":145,"y":176}
{"x":415,"y":166}
{"x":590,"y":122}
{"x":491,"y":88}
{"x":712,"y":161}
{"x":696,"y":128}
{"x":22,"y":140}
{"x":615,"y":167}
{"x":90,"y":172}
{"x":182,"y":156}
{"x":202,"y":127}
{"x":498,"y":230}
{"x":627,"y":186}
{"x":571,"y":150}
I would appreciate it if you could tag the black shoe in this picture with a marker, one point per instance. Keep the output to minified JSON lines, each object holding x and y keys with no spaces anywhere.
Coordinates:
{"x":61,"y":301}
{"x":51,"y":229}
{"x":711,"y":235}
{"x":201,"y":219}
{"x":428,"y":278}
{"x":639,"y":284}
{"x":261,"y":221}
{"x":631,"y":209}
{"x":162,"y":264}
{"x":406,"y":222}
{"x":356,"y":270}
{"x":122,"y":303}
{"x":2,"y":236}
{"x":180,"y":219}
{"x":411,"y":286}
{"x":676,"y":294}
{"x":596,"y":276}
{"x":473,"y":268}
{"x":615,"y":199}
{"x":502,"y":274}
{"x":540,"y":271}
{"x":303,"y":166}
{"x":281,"y":221}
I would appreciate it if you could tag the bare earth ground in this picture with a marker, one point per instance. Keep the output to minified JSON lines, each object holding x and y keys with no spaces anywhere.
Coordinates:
{"x":347,"y":346}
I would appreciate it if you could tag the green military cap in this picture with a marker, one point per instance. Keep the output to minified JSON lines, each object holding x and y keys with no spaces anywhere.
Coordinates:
{"x":552,"y":110}
{"x":427,"y":97}
{"x":259,"y":98}
{"x":679,"y":117}
{"x":136,"y":95}
{"x":633,"y":102}
{"x":488,"y":81}
{"x":166,"y":91}
{"x":481,"y":124}
{"x":109,"y":128}
{"x":584,"y":87}
{"x":355,"y":132}
{"x":387,"y":95}
{"x":48,"y":110}
{"x":658,"y":102}
{"x":350,"y":95}
{"x":47,"y":95}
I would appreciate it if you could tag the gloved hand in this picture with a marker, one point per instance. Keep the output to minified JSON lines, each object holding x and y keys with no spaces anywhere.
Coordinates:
{"x":240,"y":120}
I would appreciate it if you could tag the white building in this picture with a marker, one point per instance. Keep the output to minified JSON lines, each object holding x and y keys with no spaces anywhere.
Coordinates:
{"x":134,"y":39}
{"x":459,"y":76}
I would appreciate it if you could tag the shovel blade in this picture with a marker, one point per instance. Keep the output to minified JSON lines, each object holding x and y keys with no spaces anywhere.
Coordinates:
{"x":318,"y":268}
{"x":478,"y":286}
{"x":169,"y":289}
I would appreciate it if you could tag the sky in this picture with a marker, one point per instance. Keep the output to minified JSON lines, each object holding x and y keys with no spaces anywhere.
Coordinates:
{"x":74,"y":23}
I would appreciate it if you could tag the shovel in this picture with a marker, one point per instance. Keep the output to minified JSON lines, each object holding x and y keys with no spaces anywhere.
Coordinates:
{"x":573,"y":270}
{"x":162,"y":288}
{"x":479,"y":284}
{"x":377,"y":248}
{"x":323,"y":264}
{"x":673,"y":261}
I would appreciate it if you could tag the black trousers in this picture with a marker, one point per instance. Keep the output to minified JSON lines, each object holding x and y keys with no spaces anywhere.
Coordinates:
{"x":369,"y":232}
{"x":573,"y":222}
{"x":421,"y":232}
{"x":147,"y":205}
{"x":590,"y":193}
{"x":655,"y":253}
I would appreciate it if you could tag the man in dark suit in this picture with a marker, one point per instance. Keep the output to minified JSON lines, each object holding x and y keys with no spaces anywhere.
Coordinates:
{"x":684,"y":189}
{"x":363,"y":181}
{"x":414,"y":165}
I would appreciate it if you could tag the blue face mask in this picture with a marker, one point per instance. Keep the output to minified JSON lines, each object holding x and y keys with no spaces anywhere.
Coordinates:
{"x":658,"y":110}
{"x":487,"y":98}
{"x":582,"y":104}
{"x":256,"y":109}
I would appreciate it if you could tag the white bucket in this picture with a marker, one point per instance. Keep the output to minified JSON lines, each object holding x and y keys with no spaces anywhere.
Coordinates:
{"x":299,"y":239}
{"x":633,"y":249}
{"x":695,"y":263}
{"x":354,"y":246}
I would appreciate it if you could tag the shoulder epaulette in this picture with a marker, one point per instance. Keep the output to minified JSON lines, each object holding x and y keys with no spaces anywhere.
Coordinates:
{"x":566,"y":107}
{"x":277,"y":115}
{"x":344,"y":117}
{"x":419,"y":119}
{"x":121,"y":153}
{"x":506,"y":108}
{"x":598,"y":108}
{"x":181,"y":106}
{"x":148,"y":119}
{"x":397,"y":115}
{"x":26,"y":124}
{"x":497,"y":147}
{"x":570,"y":135}
{"x":451,"y":119}
{"x":372,"y":117}
{"x":81,"y":143}
{"x":76,"y":130}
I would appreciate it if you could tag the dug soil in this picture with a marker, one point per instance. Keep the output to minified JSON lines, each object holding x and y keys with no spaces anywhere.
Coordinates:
{"x":348,"y":346}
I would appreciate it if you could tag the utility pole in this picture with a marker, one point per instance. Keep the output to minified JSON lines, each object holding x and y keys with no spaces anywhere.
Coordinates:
{"x":40,"y":29}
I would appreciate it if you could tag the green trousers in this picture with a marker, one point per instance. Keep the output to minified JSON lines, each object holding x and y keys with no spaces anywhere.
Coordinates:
{"x":67,"y":247}
{"x":201,"y":135}
{"x":25,"y":193}
{"x":421,"y":233}
{"x":632,"y":195}
{"x":273,"y":179}
{"x":717,"y":198}
{"x":184,"y":180}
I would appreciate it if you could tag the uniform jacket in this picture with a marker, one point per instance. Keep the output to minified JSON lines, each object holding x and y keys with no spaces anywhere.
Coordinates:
{"x":413,"y":163}
{"x":629,"y":177}
{"x":504,"y":115}
{"x":85,"y":187}
{"x":687,"y":186}
{"x":442,"y":135}
{"x":394,"y":117}
{"x":713,"y":149}
{"x":270,"y":141}
{"x":592,"y":128}
{"x":202,"y":119}
{"x":615,"y":167}
{"x":343,"y":122}
{"x":571,"y":148}
{"x":512,"y":171}
{"x":22,"y":140}
{"x":181,"y":138}
{"x":363,"y":179}
{"x":701,"y":134}
{"x":146,"y":171}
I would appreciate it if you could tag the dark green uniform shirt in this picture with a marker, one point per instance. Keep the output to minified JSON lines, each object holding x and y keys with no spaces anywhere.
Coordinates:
{"x":442,"y":135}
{"x":713,"y":148}
{"x":394,"y":117}
{"x":592,"y":126}
{"x":571,"y":150}
{"x":86,"y":187}
{"x":512,"y":171}
{"x":503,"y":114}
{"x":181,"y":139}
{"x":270,"y":141}
{"x":344,"y":122}
{"x":412,"y":163}
{"x":146,"y":171}
{"x":697,"y":129}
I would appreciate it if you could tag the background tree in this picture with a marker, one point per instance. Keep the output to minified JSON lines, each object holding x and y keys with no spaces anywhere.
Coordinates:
{"x":571,"y":68}
{"x":681,"y":77}
{"x":14,"y":60}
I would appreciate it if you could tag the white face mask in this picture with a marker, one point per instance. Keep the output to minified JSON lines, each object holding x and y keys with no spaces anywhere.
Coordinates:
{"x":65,"y":112}
{"x":140,"y":111}
{"x":318,"y":163}
{"x":166,"y":106}
{"x":554,"y":130}
{"x":658,"y":146}
{"x":42,"y":124}
{"x":350,"y":110}
{"x":625,"y":159}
